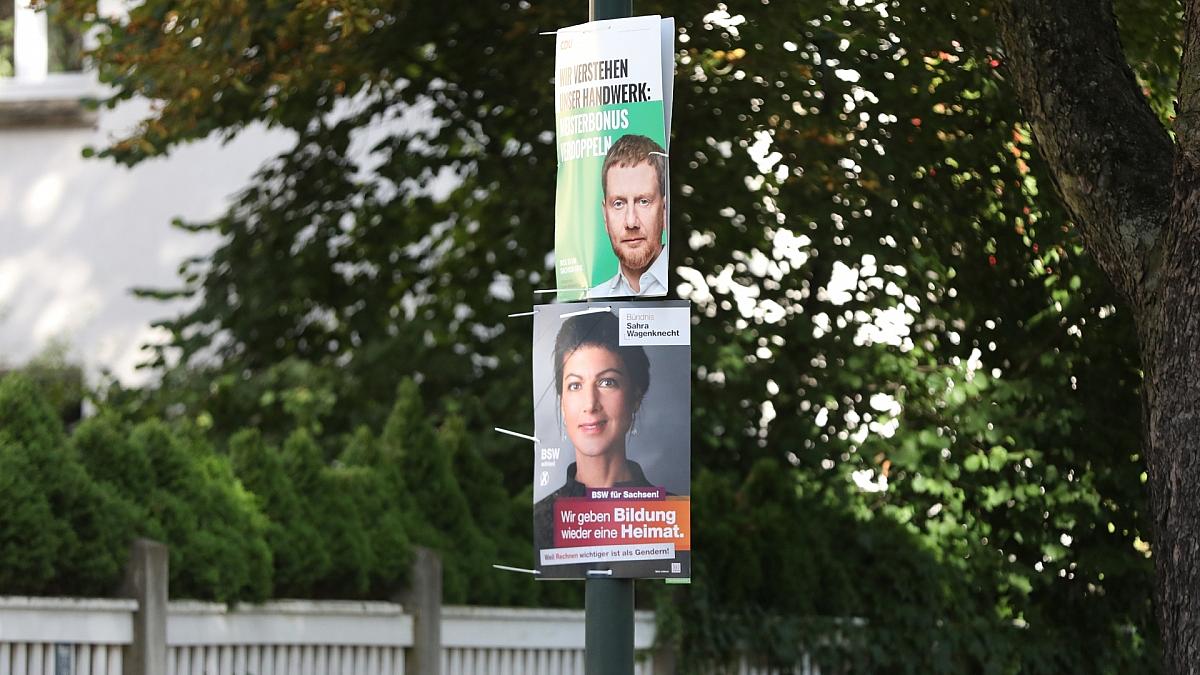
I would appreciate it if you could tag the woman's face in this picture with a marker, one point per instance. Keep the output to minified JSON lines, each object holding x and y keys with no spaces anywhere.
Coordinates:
{"x":597,"y":400}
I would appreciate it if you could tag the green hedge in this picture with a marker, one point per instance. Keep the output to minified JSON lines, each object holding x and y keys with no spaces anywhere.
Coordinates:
{"x":786,"y":567}
{"x":249,"y":519}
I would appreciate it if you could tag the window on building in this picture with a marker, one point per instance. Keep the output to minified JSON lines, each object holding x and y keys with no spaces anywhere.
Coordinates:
{"x":64,"y":45}
{"x":42,"y":71}
{"x":6,"y":38}
{"x":34,"y":45}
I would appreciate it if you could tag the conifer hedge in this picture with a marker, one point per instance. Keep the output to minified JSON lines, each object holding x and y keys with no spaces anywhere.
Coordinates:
{"x":248,"y":519}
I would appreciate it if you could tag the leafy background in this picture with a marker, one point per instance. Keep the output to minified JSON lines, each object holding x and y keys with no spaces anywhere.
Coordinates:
{"x":915,"y":422}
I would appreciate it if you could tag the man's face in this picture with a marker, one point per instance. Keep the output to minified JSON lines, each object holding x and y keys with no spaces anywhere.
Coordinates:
{"x":634,"y":214}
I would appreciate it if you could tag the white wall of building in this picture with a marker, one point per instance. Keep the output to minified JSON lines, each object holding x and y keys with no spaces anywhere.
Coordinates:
{"x":77,"y":234}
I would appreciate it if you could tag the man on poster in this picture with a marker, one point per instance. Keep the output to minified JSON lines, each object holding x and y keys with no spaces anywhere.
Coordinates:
{"x":634,"y":182}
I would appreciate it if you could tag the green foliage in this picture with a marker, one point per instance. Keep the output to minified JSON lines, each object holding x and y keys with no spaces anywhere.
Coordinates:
{"x":790,"y":572}
{"x":1152,"y":35}
{"x":910,"y":383}
{"x":105,"y":449}
{"x":30,"y":536}
{"x":420,"y":463}
{"x":258,"y":521}
{"x":60,"y":532}
{"x":59,"y":380}
{"x":6,"y":43}
{"x":299,"y":551}
{"x":212,"y":524}
{"x":369,"y":545}
{"x":168,"y":485}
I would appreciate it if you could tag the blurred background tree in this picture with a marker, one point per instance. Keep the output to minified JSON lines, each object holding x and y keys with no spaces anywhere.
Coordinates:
{"x":915,"y":397}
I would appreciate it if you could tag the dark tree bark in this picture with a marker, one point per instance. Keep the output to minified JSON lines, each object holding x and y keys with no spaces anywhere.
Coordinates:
{"x":1135,"y":196}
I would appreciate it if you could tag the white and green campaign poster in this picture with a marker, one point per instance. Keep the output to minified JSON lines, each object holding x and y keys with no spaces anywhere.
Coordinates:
{"x":612,"y":106}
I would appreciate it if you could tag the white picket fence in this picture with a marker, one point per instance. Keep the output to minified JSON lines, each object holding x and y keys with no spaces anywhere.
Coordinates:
{"x":66,"y":636}
{"x":503,"y":641}
{"x":287,"y":638}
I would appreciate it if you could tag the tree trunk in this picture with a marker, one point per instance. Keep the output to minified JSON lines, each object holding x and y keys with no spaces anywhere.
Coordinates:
{"x":1170,"y":346}
{"x":1135,"y":196}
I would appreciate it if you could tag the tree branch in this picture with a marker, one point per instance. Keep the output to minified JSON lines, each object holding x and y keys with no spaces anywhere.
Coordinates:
{"x":1110,"y":157}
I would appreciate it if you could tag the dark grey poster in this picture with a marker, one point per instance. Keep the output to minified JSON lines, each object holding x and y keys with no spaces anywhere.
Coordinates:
{"x":612,"y":411}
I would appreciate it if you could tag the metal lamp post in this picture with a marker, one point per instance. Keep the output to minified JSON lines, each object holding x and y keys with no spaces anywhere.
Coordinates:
{"x":608,"y":603}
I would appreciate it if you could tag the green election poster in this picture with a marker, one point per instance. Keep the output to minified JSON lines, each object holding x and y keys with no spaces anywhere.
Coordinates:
{"x":612,"y":109}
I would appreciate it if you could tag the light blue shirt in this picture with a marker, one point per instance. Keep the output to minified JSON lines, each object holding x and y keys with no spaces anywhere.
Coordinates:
{"x":653,"y":282}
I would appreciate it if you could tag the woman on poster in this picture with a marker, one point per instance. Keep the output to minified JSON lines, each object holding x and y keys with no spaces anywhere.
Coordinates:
{"x":601,"y":386}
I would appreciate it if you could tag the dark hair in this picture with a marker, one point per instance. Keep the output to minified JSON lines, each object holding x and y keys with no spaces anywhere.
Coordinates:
{"x":632,"y":150}
{"x":600,"y":330}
